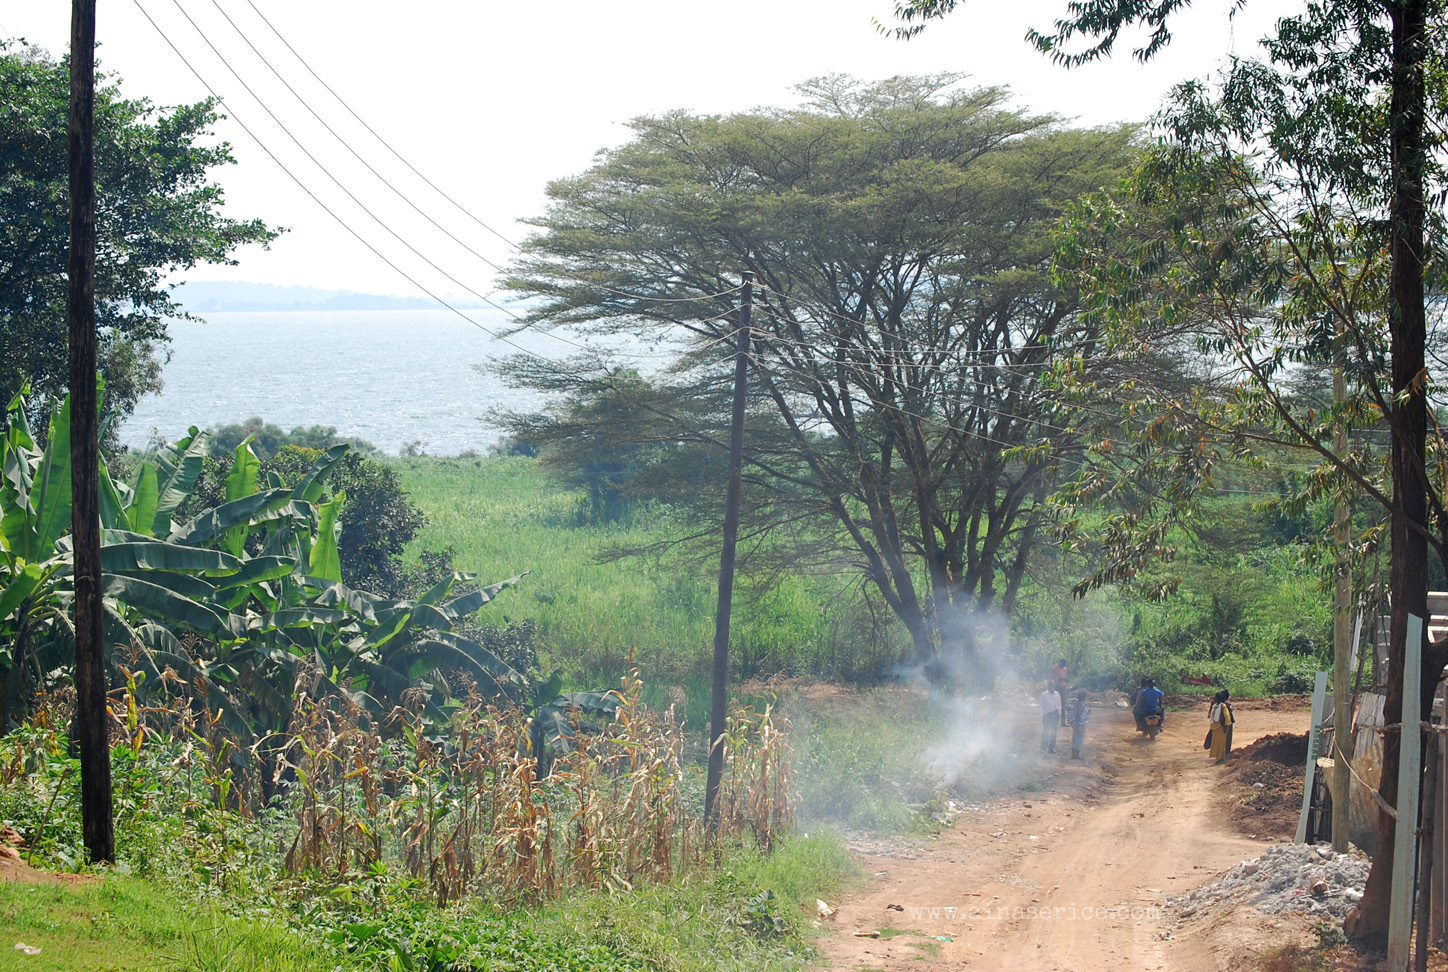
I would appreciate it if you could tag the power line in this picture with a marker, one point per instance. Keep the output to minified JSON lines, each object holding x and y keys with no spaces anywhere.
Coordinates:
{"x":337,"y":182}
{"x":342,"y":222}
{"x":415,"y":171}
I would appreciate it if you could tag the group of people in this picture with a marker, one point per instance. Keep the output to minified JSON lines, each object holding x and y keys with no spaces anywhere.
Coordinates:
{"x":1056,"y":712}
{"x":1147,"y":700}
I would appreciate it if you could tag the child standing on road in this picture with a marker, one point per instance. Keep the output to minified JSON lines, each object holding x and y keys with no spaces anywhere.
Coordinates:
{"x":1077,"y":717}
{"x":1050,"y":718}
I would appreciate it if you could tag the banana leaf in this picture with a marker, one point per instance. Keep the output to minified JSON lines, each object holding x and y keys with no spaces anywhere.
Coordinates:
{"x":113,"y":504}
{"x":326,"y":560}
{"x":180,"y":467}
{"x":309,"y":489}
{"x":255,"y":570}
{"x":244,"y":511}
{"x":50,"y":497}
{"x":166,"y":604}
{"x":184,"y":584}
{"x":594,"y":703}
{"x":429,"y":654}
{"x":141,"y":511}
{"x":427,"y":616}
{"x":302,"y":617}
{"x":240,"y":483}
{"x":110,"y":535}
{"x":336,"y":594}
{"x":388,"y":627}
{"x":18,"y":587}
{"x":245,"y":467}
{"x":468,"y":603}
{"x":157,"y":555}
{"x":480,"y":658}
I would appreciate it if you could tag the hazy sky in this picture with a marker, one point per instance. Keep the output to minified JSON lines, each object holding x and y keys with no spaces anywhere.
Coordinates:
{"x":491,"y":100}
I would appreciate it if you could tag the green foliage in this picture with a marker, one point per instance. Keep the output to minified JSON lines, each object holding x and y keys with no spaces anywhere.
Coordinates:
{"x":182,"y":834}
{"x":379,"y":522}
{"x":248,"y":631}
{"x":859,"y":760}
{"x":268,"y":439}
{"x":594,"y":615}
{"x":157,"y":213}
{"x":901,"y":234}
{"x":619,"y":443}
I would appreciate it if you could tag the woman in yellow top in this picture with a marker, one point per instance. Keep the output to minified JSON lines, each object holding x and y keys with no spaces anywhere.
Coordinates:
{"x":1221,"y":719}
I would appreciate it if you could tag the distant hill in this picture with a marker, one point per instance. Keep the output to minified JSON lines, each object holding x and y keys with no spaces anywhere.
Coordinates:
{"x":201,"y":296}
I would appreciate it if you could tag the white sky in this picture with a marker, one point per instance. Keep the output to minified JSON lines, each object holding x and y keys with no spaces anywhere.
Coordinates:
{"x":491,"y":100}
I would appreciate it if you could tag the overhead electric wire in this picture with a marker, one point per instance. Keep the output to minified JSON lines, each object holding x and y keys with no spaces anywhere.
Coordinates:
{"x":485,"y":298}
{"x":342,"y":222}
{"x":415,"y":171}
{"x":338,"y":183}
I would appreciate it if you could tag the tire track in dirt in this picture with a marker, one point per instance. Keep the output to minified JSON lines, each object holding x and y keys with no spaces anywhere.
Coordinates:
{"x":1069,"y":877}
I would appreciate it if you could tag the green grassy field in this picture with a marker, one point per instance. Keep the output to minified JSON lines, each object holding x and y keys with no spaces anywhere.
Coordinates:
{"x":502,"y":517}
{"x":1250,"y":612}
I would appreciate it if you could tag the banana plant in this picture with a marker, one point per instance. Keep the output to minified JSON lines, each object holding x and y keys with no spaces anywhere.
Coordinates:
{"x":242,"y":604}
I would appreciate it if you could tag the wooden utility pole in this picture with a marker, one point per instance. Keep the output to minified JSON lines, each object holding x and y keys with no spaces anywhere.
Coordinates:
{"x":92,"y":724}
{"x":1341,"y":641}
{"x":719,"y":697}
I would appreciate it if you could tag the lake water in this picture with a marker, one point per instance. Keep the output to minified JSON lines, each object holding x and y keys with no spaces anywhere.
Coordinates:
{"x":389,"y":377}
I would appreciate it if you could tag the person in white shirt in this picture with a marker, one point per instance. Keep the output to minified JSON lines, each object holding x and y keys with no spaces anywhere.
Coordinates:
{"x":1050,"y":718}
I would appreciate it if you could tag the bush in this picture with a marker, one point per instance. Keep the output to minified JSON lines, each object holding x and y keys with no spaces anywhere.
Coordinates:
{"x":268,"y":439}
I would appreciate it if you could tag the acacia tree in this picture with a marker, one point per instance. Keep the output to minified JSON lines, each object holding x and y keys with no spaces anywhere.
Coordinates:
{"x":899,"y":422}
{"x":156,"y":212}
{"x":1351,"y":95}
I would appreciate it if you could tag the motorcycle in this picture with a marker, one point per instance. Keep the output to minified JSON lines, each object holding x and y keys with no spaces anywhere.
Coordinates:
{"x":1151,"y":724}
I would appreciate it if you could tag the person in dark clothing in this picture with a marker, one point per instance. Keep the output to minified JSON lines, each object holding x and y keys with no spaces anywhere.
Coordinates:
{"x":1146,"y":701}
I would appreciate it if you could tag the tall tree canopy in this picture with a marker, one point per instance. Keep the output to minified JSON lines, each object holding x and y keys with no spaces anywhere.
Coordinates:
{"x":902,"y":422}
{"x":156,"y":213}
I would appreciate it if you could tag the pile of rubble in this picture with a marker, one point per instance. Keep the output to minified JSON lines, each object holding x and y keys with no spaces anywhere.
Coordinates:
{"x":1309,"y":879}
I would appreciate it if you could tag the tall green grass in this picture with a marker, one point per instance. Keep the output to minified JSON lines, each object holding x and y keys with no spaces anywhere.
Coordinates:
{"x":502,"y":517}
{"x":1251,"y":612}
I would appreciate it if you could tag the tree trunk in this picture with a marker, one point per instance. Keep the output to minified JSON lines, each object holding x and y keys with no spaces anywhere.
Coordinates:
{"x":1408,"y":581}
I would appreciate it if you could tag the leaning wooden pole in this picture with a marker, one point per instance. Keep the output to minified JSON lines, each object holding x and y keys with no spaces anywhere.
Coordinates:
{"x":92,"y":726}
{"x":719,"y":697}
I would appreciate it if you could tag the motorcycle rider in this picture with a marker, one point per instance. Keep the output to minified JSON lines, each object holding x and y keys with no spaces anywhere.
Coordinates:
{"x":1146,"y":701}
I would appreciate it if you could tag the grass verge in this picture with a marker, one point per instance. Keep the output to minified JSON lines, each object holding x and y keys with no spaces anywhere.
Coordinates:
{"x":123,"y":923}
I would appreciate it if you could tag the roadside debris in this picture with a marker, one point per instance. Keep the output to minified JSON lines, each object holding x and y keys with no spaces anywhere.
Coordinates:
{"x":1309,"y":879}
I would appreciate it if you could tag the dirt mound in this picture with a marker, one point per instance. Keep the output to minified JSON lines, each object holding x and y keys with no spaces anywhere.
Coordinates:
{"x":1287,"y":748}
{"x":1264,"y":785}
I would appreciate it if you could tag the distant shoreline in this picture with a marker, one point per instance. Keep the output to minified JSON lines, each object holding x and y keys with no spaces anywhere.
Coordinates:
{"x":214,"y":297}
{"x":212,"y":308}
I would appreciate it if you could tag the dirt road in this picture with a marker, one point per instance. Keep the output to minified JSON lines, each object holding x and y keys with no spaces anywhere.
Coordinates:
{"x":1071,"y":876}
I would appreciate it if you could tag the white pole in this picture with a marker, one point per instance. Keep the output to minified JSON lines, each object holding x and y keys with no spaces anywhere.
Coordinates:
{"x":1319,"y":702}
